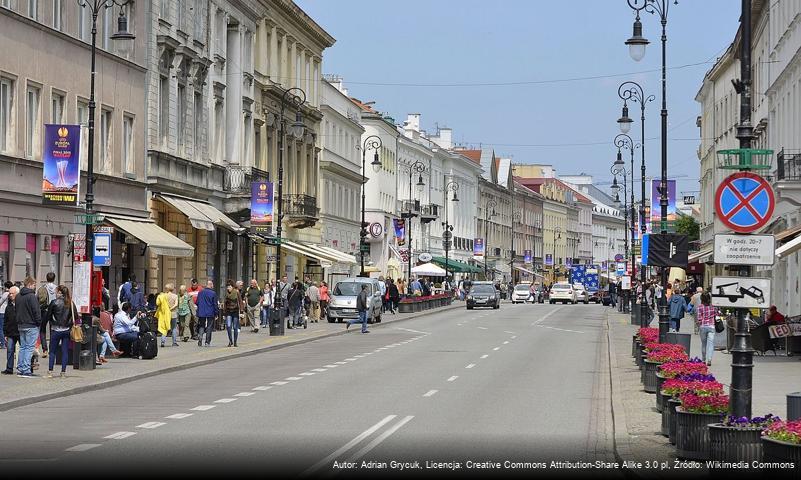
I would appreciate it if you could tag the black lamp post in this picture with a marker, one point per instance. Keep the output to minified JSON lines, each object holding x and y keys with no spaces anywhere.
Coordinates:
{"x":637,"y":44}
{"x":487,"y":215}
{"x":634,"y":92}
{"x":293,"y":97}
{"x":416,"y":167}
{"x":125,"y":37}
{"x":557,"y":235}
{"x":373,"y":142}
{"x":451,"y":186}
{"x":623,"y":141}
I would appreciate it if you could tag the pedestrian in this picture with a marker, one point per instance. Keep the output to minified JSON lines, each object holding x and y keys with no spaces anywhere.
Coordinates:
{"x":282,"y":292}
{"x":232,"y":303}
{"x":382,"y":288}
{"x":185,"y":304}
{"x":677,"y":307}
{"x":612,"y":294}
{"x":267,"y":295}
{"x":4,"y":300}
{"x":313,"y":294}
{"x":193,"y":291}
{"x":295,"y":304}
{"x":361,"y":307}
{"x":325,"y":297}
{"x":705,"y":318}
{"x":394,"y":296}
{"x":29,"y":319}
{"x":254,"y":298}
{"x":46,"y":293}
{"x":104,"y":323}
{"x":774,"y":317}
{"x":401,"y":284}
{"x":695,"y":302}
{"x":124,"y":293}
{"x":163,"y":313}
{"x":208,"y":308}
{"x":126,"y":330}
{"x":10,"y":329}
{"x":137,"y":299}
{"x":61,"y":316}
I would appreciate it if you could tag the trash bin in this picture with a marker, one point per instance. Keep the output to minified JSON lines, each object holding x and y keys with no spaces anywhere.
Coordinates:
{"x":89,"y":347}
{"x":87,"y":360}
{"x":682,"y":339}
{"x":794,"y":406}
{"x":276,"y":323}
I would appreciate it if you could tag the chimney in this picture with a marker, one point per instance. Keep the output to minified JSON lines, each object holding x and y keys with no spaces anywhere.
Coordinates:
{"x":413,"y":122}
{"x":444,"y":138}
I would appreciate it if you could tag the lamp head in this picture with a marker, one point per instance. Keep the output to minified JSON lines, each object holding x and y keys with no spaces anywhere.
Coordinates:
{"x":297,"y":127}
{"x":619,"y":159}
{"x":637,"y":42}
{"x":123,"y":38}
{"x":624,"y":122}
{"x":615,"y":186}
{"x":376,"y":163}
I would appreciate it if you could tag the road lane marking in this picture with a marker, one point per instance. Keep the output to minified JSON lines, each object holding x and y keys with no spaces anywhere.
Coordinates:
{"x":482,"y":328}
{"x":331,"y":366}
{"x":178,"y":416}
{"x":318,"y":369}
{"x":506,"y":342}
{"x":203,"y":408}
{"x":350,"y":359}
{"x":151,"y":425}
{"x":546,"y":316}
{"x":358,"y":356}
{"x":226,"y":400}
{"x":459,"y":324}
{"x":453,"y":378}
{"x":514,"y":336}
{"x":278,"y":383}
{"x":120,"y":435}
{"x":366,"y":449}
{"x":82,"y":447}
{"x":340,"y":363}
{"x":245,"y":394}
{"x":559,"y":329}
{"x":471,"y":365}
{"x":484,"y":356}
{"x":510,"y":333}
{"x":413,"y":331}
{"x":262,"y":388}
{"x":326,"y":462}
{"x":292,"y":379}
{"x":430,"y":393}
{"x":496,"y":348}
{"x":306,"y":374}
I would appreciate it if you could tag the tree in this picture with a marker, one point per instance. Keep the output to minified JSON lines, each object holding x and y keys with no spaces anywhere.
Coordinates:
{"x":687,"y":225}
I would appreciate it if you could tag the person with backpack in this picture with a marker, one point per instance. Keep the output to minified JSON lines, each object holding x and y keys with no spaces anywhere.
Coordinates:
{"x":45,"y":294}
{"x":232,"y":309}
{"x":394,"y":296}
{"x":124,"y":293}
{"x":207,"y":310}
{"x":61,"y":316}
{"x":295,"y":303}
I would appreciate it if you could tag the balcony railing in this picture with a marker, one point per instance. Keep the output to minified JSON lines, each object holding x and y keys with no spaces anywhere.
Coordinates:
{"x":788,"y":165}
{"x":300,"y":210}
{"x":238,"y":178}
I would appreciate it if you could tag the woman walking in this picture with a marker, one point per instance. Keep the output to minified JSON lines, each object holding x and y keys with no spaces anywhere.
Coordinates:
{"x":231,"y":307}
{"x":295,"y":303}
{"x":185,"y":303}
{"x":267,"y":303}
{"x":325,"y":297}
{"x":705,"y":318}
{"x":394,"y":296}
{"x":61,"y":314}
{"x":163,"y":314}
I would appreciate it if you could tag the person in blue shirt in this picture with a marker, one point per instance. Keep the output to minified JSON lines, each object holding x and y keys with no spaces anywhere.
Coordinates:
{"x":208,"y":307}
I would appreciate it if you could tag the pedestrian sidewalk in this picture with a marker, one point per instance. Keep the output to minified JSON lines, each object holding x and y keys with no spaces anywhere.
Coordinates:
{"x":15,"y":391}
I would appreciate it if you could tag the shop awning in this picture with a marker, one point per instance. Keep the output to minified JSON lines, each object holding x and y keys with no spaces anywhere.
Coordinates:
{"x":158,"y":240}
{"x":788,"y":234}
{"x":316,"y":252}
{"x":342,"y":256}
{"x":201,"y":215}
{"x":530,"y":272}
{"x":701,"y":257}
{"x":455,"y":265}
{"x":789,"y":248}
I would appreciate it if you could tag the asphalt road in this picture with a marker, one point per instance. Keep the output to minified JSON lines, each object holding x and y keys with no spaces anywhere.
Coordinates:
{"x":520,"y":384}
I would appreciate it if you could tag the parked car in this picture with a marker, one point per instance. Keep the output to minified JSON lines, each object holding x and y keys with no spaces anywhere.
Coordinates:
{"x":562,"y":292}
{"x":581,"y":293}
{"x":342,"y":305}
{"x":521,"y":292}
{"x":595,"y":294}
{"x":483,"y":294}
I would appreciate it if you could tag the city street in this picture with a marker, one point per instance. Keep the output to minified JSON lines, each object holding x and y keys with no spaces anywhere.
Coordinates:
{"x":521,"y":384}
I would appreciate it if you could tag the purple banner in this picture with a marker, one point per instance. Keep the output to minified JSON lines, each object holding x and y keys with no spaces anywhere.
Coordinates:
{"x":61,"y":169}
{"x":400,"y":231}
{"x":478,"y":247}
{"x":261,"y":207}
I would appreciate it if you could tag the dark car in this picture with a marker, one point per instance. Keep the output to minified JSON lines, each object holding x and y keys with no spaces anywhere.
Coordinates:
{"x":483,"y":295}
{"x":594,"y":295}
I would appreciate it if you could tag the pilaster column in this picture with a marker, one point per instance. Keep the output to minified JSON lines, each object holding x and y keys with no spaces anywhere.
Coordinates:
{"x":273,"y":55}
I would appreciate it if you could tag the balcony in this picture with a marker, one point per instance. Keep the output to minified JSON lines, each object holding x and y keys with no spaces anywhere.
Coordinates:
{"x":300,"y":211}
{"x":429,"y":213}
{"x":787,"y":181}
{"x":238,"y":178}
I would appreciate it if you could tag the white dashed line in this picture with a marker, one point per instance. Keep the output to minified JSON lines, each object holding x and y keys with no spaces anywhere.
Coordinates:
{"x":350,"y":359}
{"x":151,"y":425}
{"x":484,"y":356}
{"x":506,"y":342}
{"x":430,"y":393}
{"x":226,"y":400}
{"x":331,"y":366}
{"x":203,"y":408}
{"x":514,"y":336}
{"x":359,"y":356}
{"x":292,"y":379}
{"x":262,"y":388}
{"x":459,"y":324}
{"x":306,"y":374}
{"x":507,"y":331}
{"x":178,"y":416}
{"x":340,"y":363}
{"x":245,"y":394}
{"x":120,"y":435}
{"x":496,"y":348}
{"x":471,"y":365}
{"x":559,"y":329}
{"x":318,"y":369}
{"x":82,"y":447}
{"x":453,"y":378}
{"x":278,"y":383}
{"x":482,"y":328}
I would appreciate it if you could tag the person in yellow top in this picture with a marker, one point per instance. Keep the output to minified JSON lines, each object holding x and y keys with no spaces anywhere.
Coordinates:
{"x":163,"y":312}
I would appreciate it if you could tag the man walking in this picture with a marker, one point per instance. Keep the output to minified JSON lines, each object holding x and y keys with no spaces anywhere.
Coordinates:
{"x":313,"y":294}
{"x":29,"y":319}
{"x":361,"y":307}
{"x":10,"y":329}
{"x":677,"y":305}
{"x":254,"y":298}
{"x":612,"y":294}
{"x":207,"y":310}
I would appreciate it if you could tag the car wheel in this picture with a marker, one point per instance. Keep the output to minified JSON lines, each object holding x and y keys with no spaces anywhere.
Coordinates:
{"x":331,"y":320}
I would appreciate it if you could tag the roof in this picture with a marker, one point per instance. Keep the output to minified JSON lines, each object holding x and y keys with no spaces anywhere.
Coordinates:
{"x":536,"y":183}
{"x":364,"y":107}
{"x":474,"y":155}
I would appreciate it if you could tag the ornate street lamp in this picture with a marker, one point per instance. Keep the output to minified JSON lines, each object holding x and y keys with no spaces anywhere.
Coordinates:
{"x":487,"y":215}
{"x":373,"y":142}
{"x":416,"y":167}
{"x":451,"y":186}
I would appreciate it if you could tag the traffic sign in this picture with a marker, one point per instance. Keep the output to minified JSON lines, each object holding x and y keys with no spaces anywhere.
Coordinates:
{"x":744,"y":202}
{"x":274,"y":241}
{"x":619,"y":257}
{"x":101,"y":256}
{"x":745,"y":249}
{"x":741,"y":292}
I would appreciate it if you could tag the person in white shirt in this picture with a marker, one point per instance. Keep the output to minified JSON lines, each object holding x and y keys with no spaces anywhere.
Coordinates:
{"x":126,"y":329}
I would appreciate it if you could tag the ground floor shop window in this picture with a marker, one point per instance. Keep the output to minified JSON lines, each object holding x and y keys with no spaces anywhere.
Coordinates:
{"x":4,"y":257}
{"x":30,"y":255}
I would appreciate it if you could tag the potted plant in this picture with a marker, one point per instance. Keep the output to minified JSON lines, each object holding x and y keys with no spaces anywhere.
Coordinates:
{"x":738,"y":439}
{"x":674,"y":387}
{"x":657,"y":356}
{"x":781,"y":442}
{"x":672,"y":370}
{"x":692,"y":419}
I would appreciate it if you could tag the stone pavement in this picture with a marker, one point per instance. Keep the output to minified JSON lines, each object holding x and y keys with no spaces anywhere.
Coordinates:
{"x":15,"y":391}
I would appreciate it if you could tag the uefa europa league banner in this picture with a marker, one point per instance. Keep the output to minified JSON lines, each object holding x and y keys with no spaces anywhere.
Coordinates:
{"x":261,"y":207}
{"x":478,"y":247}
{"x":61,"y":168}
{"x":656,"y":209}
{"x":526,"y":256}
{"x":400,"y":231}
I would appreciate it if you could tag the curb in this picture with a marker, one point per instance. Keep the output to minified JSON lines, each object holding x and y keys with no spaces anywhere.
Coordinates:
{"x":199,"y":363}
{"x":622,"y":444}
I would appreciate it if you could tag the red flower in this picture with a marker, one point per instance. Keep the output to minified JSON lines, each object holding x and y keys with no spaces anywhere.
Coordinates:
{"x":694,"y":403}
{"x":789,"y":432}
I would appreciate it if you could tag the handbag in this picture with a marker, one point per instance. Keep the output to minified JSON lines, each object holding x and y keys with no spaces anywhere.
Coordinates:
{"x":719,"y":326}
{"x":76,"y":332}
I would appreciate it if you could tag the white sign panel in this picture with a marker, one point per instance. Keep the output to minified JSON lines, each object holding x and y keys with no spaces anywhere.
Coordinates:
{"x":745,"y":249}
{"x":81,"y":277}
{"x":625,"y":282}
{"x":741,"y":292}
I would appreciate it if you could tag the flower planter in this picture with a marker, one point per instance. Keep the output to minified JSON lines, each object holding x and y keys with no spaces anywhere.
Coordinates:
{"x":662,"y":405}
{"x":649,"y":376}
{"x":734,"y":444}
{"x":778,"y":451}
{"x":405,"y":307}
{"x":669,"y":419}
{"x":659,"y":381}
{"x":692,"y":434}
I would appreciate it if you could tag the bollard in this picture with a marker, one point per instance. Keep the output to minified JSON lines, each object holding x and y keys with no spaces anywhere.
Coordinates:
{"x":794,"y":406}
{"x":683,"y":339}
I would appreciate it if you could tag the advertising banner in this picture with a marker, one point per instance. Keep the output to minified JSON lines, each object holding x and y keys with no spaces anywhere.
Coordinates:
{"x":261,"y":207}
{"x":400,"y":231}
{"x":548,"y":259}
{"x":478,"y":247}
{"x":61,"y":168}
{"x":656,"y":209}
{"x":527,"y":256}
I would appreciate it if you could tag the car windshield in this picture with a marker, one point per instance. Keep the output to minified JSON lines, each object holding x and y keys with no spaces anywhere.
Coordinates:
{"x":578,"y":287}
{"x":484,"y":290}
{"x":346,"y":289}
{"x":522,"y":288}
{"x":561,"y":286}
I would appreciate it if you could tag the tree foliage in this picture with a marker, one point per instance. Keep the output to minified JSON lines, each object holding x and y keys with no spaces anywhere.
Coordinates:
{"x":687,"y":225}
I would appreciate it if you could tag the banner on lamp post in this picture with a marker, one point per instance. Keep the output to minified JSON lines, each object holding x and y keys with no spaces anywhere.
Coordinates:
{"x":400,"y":231}
{"x":478,"y":247}
{"x":61,"y":168}
{"x":549,"y":259}
{"x":656,"y":209}
{"x":261,"y":207}
{"x":527,"y":256}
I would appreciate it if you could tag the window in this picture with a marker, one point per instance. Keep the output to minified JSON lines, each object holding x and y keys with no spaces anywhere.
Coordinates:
{"x":57,"y":107}
{"x":83,"y":23}
{"x":127,"y":144}
{"x":164,"y":109}
{"x":32,"y":120}
{"x":54,"y":257}
{"x":82,"y":119}
{"x":30,"y":255}
{"x":33,"y":7}
{"x":181,"y":100}
{"x":6,"y":4}
{"x":197,"y":111}
{"x":198,"y":18}
{"x":179,"y":23}
{"x":57,"y":13}
{"x":105,"y":140}
{"x":6,"y":102}
{"x":165,"y":10}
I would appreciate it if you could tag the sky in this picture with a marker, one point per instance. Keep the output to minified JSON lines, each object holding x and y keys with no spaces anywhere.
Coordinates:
{"x":512,"y":74}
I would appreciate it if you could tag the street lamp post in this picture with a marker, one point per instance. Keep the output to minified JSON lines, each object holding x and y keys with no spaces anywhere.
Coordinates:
{"x":373,"y":142}
{"x":125,"y":37}
{"x":556,"y":231}
{"x":294,"y":97}
{"x":637,"y":44}
{"x":487,"y":215}
{"x":416,"y":167}
{"x":451,"y":186}
{"x":623,"y":141}
{"x":516,"y":216}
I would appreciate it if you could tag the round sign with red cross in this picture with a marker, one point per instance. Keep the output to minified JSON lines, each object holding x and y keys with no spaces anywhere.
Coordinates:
{"x":744,"y":202}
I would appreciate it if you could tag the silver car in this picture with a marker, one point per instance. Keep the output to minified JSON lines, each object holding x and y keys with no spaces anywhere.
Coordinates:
{"x":582,"y":295}
{"x":342,"y":305}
